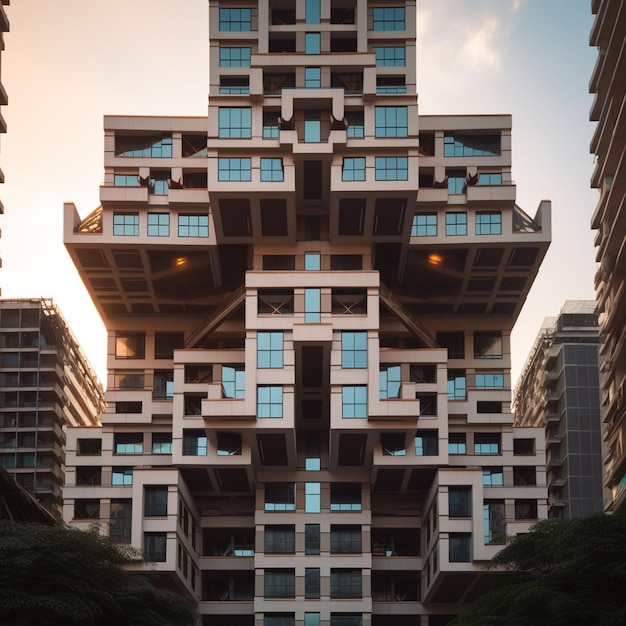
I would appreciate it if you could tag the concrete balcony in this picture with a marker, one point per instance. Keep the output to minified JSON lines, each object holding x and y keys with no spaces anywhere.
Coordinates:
{"x":111,"y":196}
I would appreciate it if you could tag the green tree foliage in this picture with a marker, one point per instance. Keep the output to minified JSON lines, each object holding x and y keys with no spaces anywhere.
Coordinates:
{"x":55,"y":575}
{"x":563,"y":572}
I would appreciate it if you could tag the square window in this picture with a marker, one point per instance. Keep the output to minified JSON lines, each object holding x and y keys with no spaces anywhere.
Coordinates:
{"x":386,"y":56}
{"x":279,"y":583}
{"x":488,"y":345}
{"x":345,"y":496}
{"x":235,"y":122}
{"x":238,"y":20}
{"x":345,"y":539}
{"x":161,"y":443}
{"x":122,"y":476}
{"x":427,"y":442}
{"x":193,"y":225}
{"x":345,"y":583}
{"x":270,"y":349}
{"x":272,"y":170}
{"x":457,"y":443}
{"x":353,"y":349}
{"x":126,"y":224}
{"x":130,"y":345}
{"x":194,"y":442}
{"x":424,"y":225}
{"x":228,"y":444}
{"x":388,"y":18}
{"x":235,"y":57}
{"x":391,"y":121}
{"x":486,"y":443}
{"x":354,"y":402}
{"x":393,"y":444}
{"x":269,"y":401}
{"x":392,"y":168}
{"x":234,"y":169}
{"x":456,"y":223}
{"x":312,"y":261}
{"x":457,"y":181}
{"x":493,"y":477}
{"x":280,"y":539}
{"x":353,"y":168}
{"x":86,"y":508}
{"x":280,"y":497}
{"x":488,"y":223}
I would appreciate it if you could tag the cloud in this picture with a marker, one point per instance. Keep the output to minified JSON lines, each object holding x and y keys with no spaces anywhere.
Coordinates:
{"x":481,"y":49}
{"x":516,"y":5}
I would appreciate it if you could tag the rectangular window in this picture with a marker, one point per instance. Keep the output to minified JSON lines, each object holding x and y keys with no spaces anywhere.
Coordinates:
{"x":155,"y":501}
{"x":272,"y":170}
{"x":280,"y":539}
{"x":391,"y":122}
{"x":486,"y":443}
{"x":457,"y":385}
{"x":356,"y":124}
{"x":311,"y":538}
{"x":121,"y":520}
{"x":312,"y":127}
{"x":488,"y":223}
{"x":239,"y":20}
{"x":233,"y":381}
{"x":128,"y":443}
{"x":270,"y":124}
{"x":457,"y":181}
{"x":525,"y":509}
{"x":130,"y":345}
{"x":488,"y":345}
{"x":154,"y":547}
{"x":86,"y":508}
{"x":194,"y":442}
{"x":426,"y":442}
{"x":126,"y":224}
{"x":354,"y":349}
{"x":312,"y":497}
{"x":193,"y":225}
{"x":228,"y":444}
{"x":392,"y":168}
{"x":280,"y":497}
{"x":354,"y":402}
{"x":353,"y":168}
{"x":345,"y":496}
{"x":388,"y":18}
{"x":89,"y":447}
{"x":460,"y":545}
{"x":489,"y":381}
{"x":393,"y":444}
{"x":151,"y":146}
{"x":312,"y":261}
{"x":424,"y":225}
{"x":122,"y":476}
{"x":270,"y":349}
{"x":345,"y":539}
{"x":456,"y":223}
{"x":312,"y":583}
{"x":345,"y":583}
{"x":346,"y":619}
{"x":235,"y":57}
{"x":393,"y":56}
{"x":269,"y":401}
{"x":390,"y":381}
{"x":126,"y":180}
{"x":493,"y":477}
{"x":161,"y":443}
{"x":312,"y":77}
{"x":158,"y":224}
{"x":460,"y":501}
{"x":459,"y":145}
{"x":235,"y":122}
{"x":278,"y":619}
{"x":454,"y":341}
{"x":234,"y":84}
{"x":312,"y":305}
{"x":280,"y":583}
{"x":390,"y":84}
{"x":456,"y":443}
{"x":312,"y":619}
{"x":312,"y":11}
{"x":312,"y":43}
{"x":523,"y":447}
{"x":494,"y":522}
{"x":490,"y":179}
{"x":234,"y":169}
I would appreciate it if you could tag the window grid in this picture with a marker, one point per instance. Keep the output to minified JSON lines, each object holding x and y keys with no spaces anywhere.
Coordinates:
{"x":280,"y":497}
{"x":235,"y":57}
{"x":456,"y":223}
{"x":270,"y":125}
{"x":489,"y":223}
{"x":158,"y":224}
{"x":272,"y":170}
{"x":235,"y":122}
{"x":390,"y":56}
{"x":126,"y":180}
{"x":353,"y":349}
{"x":353,"y":168}
{"x":424,"y":225}
{"x":233,"y":382}
{"x":489,"y":381}
{"x":270,"y":347}
{"x":269,"y":401}
{"x":126,"y":224}
{"x":490,"y":179}
{"x":354,"y":402}
{"x":312,"y":77}
{"x":390,"y":382}
{"x":234,"y":169}
{"x":493,"y":477}
{"x":391,"y":121}
{"x":122,"y":476}
{"x":239,"y":20}
{"x":388,"y":18}
{"x":392,"y":168}
{"x":356,"y":124}
{"x":457,"y":443}
{"x":193,"y":225}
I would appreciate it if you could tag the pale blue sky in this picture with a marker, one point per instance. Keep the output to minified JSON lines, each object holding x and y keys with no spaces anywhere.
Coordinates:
{"x":69,"y":62}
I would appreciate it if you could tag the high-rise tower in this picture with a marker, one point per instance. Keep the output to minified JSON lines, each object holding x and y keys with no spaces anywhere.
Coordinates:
{"x":309,"y":298}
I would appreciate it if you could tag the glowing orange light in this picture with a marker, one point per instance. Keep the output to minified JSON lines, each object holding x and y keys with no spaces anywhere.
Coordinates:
{"x":180,"y":261}
{"x":435,"y":259}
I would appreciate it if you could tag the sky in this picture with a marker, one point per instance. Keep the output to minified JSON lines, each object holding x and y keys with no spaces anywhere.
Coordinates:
{"x":67,"y":63}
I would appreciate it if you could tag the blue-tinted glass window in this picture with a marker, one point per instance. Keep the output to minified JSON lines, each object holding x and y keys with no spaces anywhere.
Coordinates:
{"x":457,"y":385}
{"x":233,"y":381}
{"x":456,"y":223}
{"x":312,"y":11}
{"x":312,"y":261}
{"x":489,"y":223}
{"x":270,"y":349}
{"x":312,"y":43}
{"x":354,"y":401}
{"x":280,"y":497}
{"x":235,"y":57}
{"x":272,"y":170}
{"x":152,"y":146}
{"x":234,"y":84}
{"x":239,"y":20}
{"x":126,"y":180}
{"x":158,"y":224}
{"x":193,"y":225}
{"x":356,"y":124}
{"x":126,"y":224}
{"x":353,"y":168}
{"x":234,"y":169}
{"x":270,"y":125}
{"x":489,"y":381}
{"x":390,"y":84}
{"x":194,"y":442}
{"x":312,"y":305}
{"x":390,"y":381}
{"x":459,"y":145}
{"x":269,"y":401}
{"x":312,"y":77}
{"x":312,"y":127}
{"x":486,"y":443}
{"x":457,"y":182}
{"x":353,"y":349}
{"x":390,"y":56}
{"x":235,"y":122}
{"x":392,"y":168}
{"x":426,"y":443}
{"x":424,"y":225}
{"x":493,"y":477}
{"x":391,"y":121}
{"x":457,"y":443}
{"x":490,"y":179}
{"x":388,"y":18}
{"x":162,"y":443}
{"x":313,"y":497}
{"x":122,"y":476}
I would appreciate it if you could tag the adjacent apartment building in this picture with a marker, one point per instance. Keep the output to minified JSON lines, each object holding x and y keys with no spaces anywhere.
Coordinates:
{"x":559,"y":391}
{"x":608,"y":84}
{"x":46,"y":385}
{"x":4,"y":28}
{"x":309,"y":295}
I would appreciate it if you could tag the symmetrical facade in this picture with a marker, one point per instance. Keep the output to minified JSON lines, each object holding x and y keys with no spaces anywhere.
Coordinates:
{"x":46,"y":385}
{"x":559,"y":391}
{"x":309,"y":296}
{"x":608,"y":83}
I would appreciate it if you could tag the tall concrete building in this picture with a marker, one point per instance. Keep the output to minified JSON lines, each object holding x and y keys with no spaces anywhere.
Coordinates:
{"x":608,"y":83}
{"x":559,"y":391}
{"x":46,"y":385}
{"x":309,"y":296}
{"x":4,"y":28}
